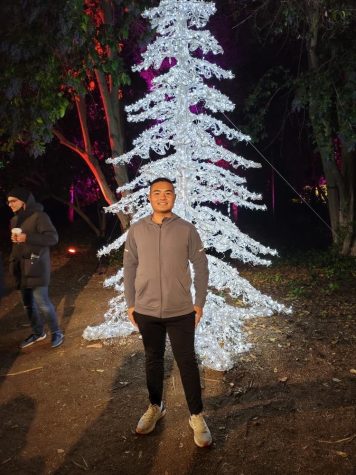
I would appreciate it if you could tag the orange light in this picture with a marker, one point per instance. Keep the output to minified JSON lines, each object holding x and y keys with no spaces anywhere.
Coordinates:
{"x":71,"y":250}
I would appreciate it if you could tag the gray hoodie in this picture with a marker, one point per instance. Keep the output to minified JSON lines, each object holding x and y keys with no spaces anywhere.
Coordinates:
{"x":156,"y":267}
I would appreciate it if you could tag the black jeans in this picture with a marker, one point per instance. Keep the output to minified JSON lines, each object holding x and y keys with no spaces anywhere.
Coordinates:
{"x":181,"y":334}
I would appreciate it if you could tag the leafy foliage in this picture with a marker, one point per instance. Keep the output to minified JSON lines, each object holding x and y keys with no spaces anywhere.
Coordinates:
{"x":327,"y":272}
{"x":272,"y":83}
{"x":49,"y":52}
{"x":34,"y":44}
{"x":325,"y":89}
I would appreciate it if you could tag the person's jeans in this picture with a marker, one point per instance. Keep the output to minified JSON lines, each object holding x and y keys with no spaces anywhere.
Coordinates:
{"x":40,"y":309}
{"x":181,"y":334}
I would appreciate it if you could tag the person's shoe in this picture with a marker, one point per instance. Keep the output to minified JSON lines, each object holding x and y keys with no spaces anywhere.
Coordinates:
{"x":148,"y":421}
{"x":57,"y":339}
{"x":202,"y":436}
{"x":30,"y":340}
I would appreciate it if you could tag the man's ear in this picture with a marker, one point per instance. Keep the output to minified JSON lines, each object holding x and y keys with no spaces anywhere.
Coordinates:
{"x":148,"y":198}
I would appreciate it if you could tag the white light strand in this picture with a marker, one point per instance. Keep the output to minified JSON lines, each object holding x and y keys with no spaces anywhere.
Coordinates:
{"x":184,"y":136}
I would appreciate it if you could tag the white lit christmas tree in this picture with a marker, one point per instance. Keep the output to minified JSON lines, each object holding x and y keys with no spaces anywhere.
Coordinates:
{"x":180,"y":105}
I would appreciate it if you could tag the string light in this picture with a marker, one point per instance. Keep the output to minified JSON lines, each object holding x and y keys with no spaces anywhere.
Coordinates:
{"x":185,"y":141}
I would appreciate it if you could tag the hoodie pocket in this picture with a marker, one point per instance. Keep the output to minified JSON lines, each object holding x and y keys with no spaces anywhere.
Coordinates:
{"x":147,"y":294}
{"x":177,"y":294}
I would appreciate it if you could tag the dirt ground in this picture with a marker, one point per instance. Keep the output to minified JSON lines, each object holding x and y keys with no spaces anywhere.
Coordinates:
{"x":289,"y":406}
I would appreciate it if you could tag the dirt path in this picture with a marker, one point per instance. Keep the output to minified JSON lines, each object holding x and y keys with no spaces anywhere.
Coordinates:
{"x":289,"y":407}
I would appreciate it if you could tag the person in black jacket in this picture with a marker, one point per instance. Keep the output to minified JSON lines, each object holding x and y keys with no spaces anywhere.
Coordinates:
{"x":32,"y":232}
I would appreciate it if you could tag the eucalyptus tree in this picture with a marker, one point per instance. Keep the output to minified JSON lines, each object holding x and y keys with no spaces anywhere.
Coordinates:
{"x":63,"y":72}
{"x":321,"y":83}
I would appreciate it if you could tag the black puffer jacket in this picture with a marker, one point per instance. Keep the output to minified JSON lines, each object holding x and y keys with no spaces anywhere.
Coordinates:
{"x":30,"y":262}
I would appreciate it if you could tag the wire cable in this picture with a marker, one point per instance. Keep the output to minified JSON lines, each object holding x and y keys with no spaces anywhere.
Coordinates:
{"x":283,"y":178}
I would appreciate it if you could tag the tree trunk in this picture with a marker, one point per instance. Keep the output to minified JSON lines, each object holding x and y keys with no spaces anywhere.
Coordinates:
{"x":86,"y":154}
{"x":93,"y":165}
{"x":115,"y":129}
{"x":109,"y":96}
{"x":333,"y":196}
{"x":347,"y":205}
{"x":341,"y":188}
{"x":81,"y":213}
{"x":340,"y":183}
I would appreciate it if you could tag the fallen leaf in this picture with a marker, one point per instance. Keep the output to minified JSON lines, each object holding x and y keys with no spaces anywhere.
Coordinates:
{"x":283,"y":380}
{"x":95,"y":345}
{"x":60,"y":451}
{"x":342,"y":454}
{"x":353,"y":371}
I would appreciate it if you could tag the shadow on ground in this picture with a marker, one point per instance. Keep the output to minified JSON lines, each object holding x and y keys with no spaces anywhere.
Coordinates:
{"x":67,"y":282}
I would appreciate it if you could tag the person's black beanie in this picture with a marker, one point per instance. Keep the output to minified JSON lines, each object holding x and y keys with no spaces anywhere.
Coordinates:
{"x":20,"y":193}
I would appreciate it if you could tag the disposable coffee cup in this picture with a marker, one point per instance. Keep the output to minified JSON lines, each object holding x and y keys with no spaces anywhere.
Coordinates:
{"x":16,"y":230}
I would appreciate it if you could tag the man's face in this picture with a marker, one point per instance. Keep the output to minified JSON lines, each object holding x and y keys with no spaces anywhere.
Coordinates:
{"x":15,"y":204}
{"x":162,"y":197}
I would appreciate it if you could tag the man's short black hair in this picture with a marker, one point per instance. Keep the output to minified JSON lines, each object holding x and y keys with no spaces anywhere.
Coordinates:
{"x":156,"y":180}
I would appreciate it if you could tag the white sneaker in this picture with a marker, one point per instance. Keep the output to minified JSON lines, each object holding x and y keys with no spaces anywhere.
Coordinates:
{"x":202,"y":435}
{"x":148,"y":421}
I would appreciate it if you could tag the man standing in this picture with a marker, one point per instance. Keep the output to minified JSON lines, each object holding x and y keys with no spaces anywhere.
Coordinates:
{"x":157,"y":290}
{"x":32,"y":232}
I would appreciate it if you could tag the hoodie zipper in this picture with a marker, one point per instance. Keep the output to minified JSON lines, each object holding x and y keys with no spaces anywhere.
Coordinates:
{"x":160,"y":269}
